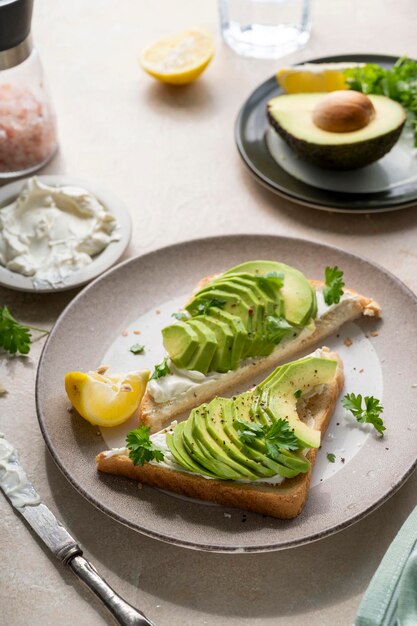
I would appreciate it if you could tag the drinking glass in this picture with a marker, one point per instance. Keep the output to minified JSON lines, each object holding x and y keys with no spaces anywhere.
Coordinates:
{"x":265,"y":28}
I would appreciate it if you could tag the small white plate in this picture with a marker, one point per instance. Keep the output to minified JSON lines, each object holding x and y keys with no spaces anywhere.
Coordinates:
{"x":397,"y":168}
{"x":100,"y":263}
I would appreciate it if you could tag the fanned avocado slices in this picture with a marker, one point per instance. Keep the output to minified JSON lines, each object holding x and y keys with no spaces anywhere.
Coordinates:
{"x":243,"y":313}
{"x":234,"y":438}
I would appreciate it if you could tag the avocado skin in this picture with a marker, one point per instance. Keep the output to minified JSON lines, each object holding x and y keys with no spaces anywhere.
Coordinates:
{"x":341,"y":157}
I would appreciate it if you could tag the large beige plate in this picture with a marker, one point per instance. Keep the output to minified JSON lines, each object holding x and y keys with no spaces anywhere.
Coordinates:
{"x":93,"y":320}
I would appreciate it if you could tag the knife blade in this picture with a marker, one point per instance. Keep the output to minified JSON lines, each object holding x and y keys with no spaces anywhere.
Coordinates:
{"x":25,"y":499}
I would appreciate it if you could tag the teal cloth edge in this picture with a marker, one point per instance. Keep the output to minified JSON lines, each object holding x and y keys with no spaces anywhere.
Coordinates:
{"x":407,"y":598}
{"x":377,"y":599}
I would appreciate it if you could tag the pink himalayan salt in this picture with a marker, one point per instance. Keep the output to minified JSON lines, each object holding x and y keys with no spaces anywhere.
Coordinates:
{"x":27,"y":129}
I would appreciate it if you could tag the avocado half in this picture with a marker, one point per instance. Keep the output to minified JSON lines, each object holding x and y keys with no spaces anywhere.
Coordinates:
{"x":292,"y":117}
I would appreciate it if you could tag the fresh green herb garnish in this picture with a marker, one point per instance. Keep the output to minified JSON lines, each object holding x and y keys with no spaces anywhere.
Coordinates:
{"x":276,"y":436}
{"x":137,"y":349}
{"x":369,"y":413}
{"x":331,"y":457}
{"x":141,"y":448}
{"x":333,"y":289}
{"x":277,"y":328}
{"x":15,"y":337}
{"x":271,"y":282}
{"x":205,"y":304}
{"x":161,"y":370}
{"x":297,"y":394}
{"x":180,"y":315}
{"x":398,"y":83}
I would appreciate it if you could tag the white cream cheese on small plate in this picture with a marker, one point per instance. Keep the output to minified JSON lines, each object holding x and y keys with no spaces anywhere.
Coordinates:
{"x":57,"y":232}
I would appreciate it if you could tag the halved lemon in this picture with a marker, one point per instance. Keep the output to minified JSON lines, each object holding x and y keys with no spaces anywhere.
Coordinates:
{"x":179,"y":59}
{"x":314,"y":77}
{"x":106,"y":400}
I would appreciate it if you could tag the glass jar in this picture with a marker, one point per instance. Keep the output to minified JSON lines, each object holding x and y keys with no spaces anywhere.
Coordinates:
{"x":28,"y":137}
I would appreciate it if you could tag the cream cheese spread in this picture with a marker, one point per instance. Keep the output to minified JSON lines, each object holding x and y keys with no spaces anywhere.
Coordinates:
{"x":49,"y":232}
{"x":13,"y":479}
{"x":177,"y":382}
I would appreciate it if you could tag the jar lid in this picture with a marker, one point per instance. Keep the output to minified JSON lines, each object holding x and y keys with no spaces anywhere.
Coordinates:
{"x":15,"y":22}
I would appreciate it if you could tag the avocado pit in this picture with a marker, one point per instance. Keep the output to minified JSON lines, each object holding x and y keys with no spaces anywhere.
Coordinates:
{"x":343,"y":112}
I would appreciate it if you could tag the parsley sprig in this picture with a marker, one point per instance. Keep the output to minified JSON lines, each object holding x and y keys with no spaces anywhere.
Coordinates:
{"x":369,"y":413}
{"x":277,"y":328}
{"x":276,"y":436}
{"x":333,"y":288}
{"x":270,"y":282}
{"x":205,"y":304}
{"x":398,"y":83}
{"x":137,"y":348}
{"x":161,"y":370}
{"x":14,"y":336}
{"x":141,"y":449}
{"x":180,"y":315}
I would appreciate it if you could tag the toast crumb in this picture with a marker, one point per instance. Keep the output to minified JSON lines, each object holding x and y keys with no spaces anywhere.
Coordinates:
{"x":158,"y":311}
{"x":124,"y":333}
{"x":361,"y":370}
{"x":348,"y":342}
{"x":374,"y":333}
{"x":102,"y":369}
{"x":137,"y":332}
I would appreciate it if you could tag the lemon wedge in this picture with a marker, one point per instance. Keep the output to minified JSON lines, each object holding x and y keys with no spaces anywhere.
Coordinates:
{"x":179,"y":59}
{"x":314,"y":77}
{"x":106,"y":400}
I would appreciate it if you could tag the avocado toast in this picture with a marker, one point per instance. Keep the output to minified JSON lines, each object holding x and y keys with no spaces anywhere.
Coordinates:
{"x":254,"y":451}
{"x":238,"y":325}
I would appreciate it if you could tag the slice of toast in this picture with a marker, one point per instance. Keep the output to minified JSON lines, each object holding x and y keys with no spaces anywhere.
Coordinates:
{"x":157,"y":415}
{"x":284,"y":500}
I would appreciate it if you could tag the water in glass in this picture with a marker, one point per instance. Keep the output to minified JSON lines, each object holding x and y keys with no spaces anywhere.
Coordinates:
{"x":265,"y":28}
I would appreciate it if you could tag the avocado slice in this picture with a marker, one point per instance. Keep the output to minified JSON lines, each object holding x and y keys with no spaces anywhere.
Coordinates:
{"x":219,"y":414}
{"x":199,"y":452}
{"x":222,"y":359}
{"x":291,"y":115}
{"x":218,"y":456}
{"x":176,"y":446}
{"x":299,"y":297}
{"x":233,"y":304}
{"x":181,"y":342}
{"x":207,"y":345}
{"x":263,"y":290}
{"x":239,"y":331}
{"x":271,"y":305}
{"x":279,"y":401}
{"x":287,"y":465}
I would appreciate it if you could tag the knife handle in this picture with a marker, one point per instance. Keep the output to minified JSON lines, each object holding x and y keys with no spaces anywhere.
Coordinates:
{"x":124,"y":613}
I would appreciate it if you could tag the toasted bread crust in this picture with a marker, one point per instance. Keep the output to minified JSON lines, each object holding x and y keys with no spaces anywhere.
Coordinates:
{"x":284,"y":501}
{"x":158,"y":414}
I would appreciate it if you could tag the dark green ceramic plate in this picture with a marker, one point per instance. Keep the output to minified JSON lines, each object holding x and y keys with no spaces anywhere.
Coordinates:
{"x":250,"y":133}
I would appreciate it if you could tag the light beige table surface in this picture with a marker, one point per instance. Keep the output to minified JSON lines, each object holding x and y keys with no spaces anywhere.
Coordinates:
{"x":170,"y":154}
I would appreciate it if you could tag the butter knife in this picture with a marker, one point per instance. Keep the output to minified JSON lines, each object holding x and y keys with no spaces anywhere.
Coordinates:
{"x":24,"y":498}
